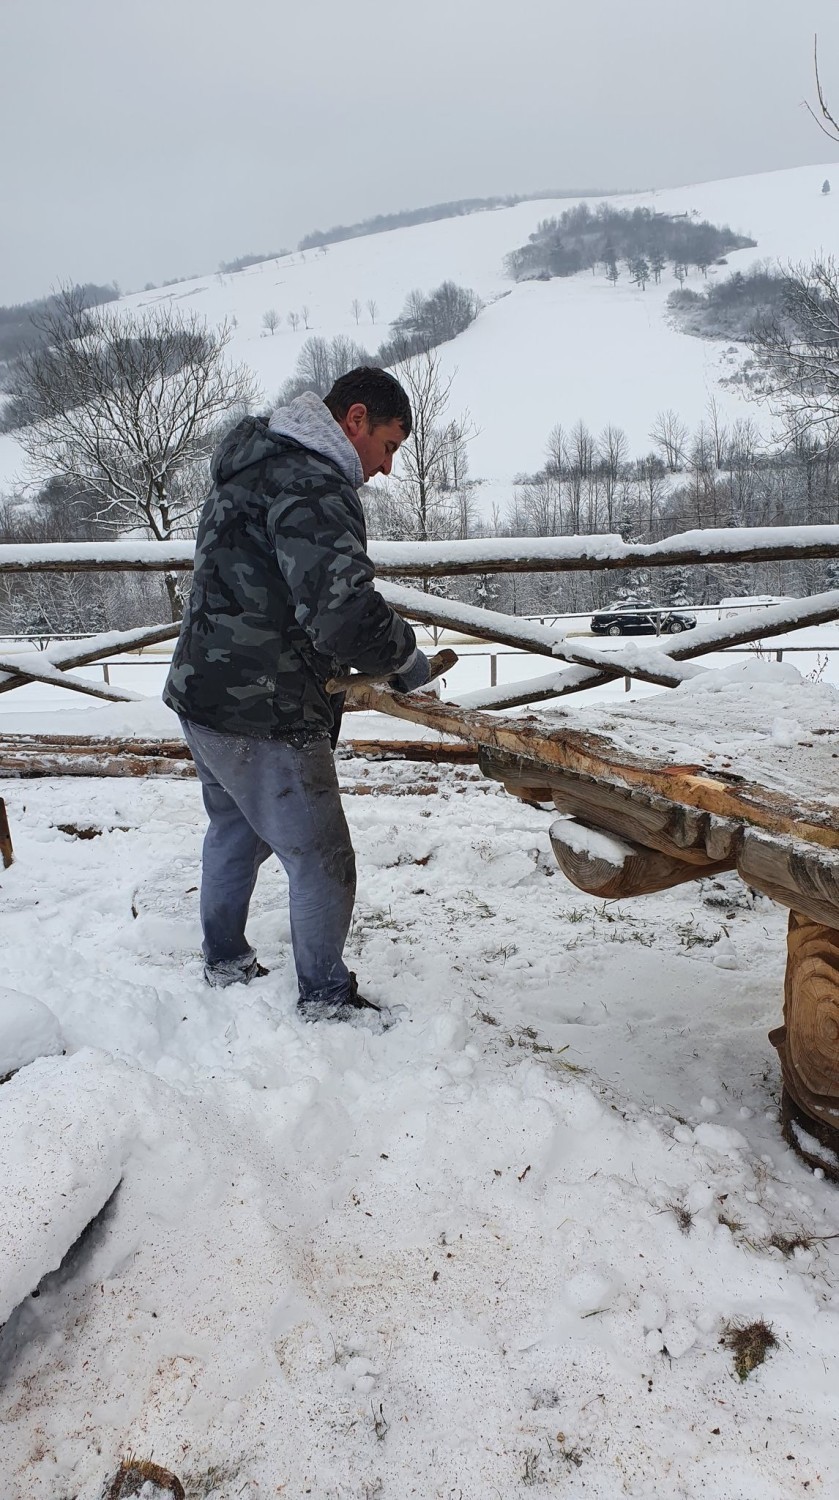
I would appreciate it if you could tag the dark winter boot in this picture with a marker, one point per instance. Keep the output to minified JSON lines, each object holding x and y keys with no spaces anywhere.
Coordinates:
{"x":353,"y":1007}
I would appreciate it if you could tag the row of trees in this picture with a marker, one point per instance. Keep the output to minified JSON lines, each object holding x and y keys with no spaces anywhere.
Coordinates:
{"x":584,"y":238}
{"x":120,"y":412}
{"x":426,"y":321}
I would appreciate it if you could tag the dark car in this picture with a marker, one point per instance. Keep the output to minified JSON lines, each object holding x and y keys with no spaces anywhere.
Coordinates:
{"x":639,"y":619}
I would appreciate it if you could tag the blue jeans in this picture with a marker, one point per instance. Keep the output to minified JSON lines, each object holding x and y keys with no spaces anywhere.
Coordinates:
{"x":262,"y":797}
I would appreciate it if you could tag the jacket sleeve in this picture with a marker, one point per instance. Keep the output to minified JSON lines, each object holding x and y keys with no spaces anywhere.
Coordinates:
{"x":317,"y":532}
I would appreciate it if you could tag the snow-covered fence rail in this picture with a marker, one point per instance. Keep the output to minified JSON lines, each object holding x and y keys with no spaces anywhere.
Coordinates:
{"x":449,"y":559}
{"x":664,"y":665}
{"x":594,"y":667}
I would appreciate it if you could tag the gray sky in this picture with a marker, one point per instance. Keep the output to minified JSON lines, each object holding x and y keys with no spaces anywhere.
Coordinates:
{"x":145,"y":139}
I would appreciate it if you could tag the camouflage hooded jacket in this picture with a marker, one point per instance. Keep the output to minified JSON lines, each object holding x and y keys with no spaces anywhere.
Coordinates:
{"x":282,"y":594}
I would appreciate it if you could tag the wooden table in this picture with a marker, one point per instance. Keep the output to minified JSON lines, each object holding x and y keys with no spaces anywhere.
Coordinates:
{"x":737,"y":770}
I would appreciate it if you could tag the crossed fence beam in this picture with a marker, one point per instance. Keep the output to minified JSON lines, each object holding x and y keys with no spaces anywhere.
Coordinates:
{"x":667,"y":663}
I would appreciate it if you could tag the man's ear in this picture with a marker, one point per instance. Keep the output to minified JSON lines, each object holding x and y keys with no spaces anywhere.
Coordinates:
{"x":355,"y":421}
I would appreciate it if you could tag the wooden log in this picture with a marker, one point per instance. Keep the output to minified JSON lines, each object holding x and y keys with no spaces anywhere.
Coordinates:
{"x":763,"y":624}
{"x":805,"y":879}
{"x":683,"y":833}
{"x":647,"y":664}
{"x":584,"y":753}
{"x":808,"y":1041}
{"x":590,"y":553}
{"x":31,"y":756}
{"x":6,"y":850}
{"x":28,"y":669}
{"x":98,"y":648}
{"x":612,"y":868}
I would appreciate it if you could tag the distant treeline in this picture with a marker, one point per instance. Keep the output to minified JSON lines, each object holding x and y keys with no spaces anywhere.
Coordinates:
{"x":732,"y":308}
{"x":382,"y":222}
{"x":17,"y":322}
{"x":582,"y":238}
{"x":229,"y":267}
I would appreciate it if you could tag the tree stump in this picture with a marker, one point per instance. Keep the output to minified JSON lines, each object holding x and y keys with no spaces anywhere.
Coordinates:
{"x":138,"y":1477}
{"x":808,"y":1043}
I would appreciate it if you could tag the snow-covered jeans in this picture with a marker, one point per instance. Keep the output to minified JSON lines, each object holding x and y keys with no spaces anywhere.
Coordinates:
{"x":262,"y":797}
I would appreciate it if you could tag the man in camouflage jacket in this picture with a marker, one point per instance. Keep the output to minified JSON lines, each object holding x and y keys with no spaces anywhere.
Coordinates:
{"x":282,"y":599}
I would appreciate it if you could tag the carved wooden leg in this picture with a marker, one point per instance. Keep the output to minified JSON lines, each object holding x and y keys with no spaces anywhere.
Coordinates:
{"x":808,"y":1043}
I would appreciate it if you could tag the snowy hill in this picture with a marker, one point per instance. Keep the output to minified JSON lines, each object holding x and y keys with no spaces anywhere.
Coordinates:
{"x":540,"y":352}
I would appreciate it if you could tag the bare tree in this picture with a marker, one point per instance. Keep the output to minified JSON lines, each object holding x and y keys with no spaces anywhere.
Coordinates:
{"x":320,"y":363}
{"x":555,"y":457}
{"x":798,"y":350}
{"x":718,"y":432}
{"x":824,"y":118}
{"x":126,"y":406}
{"x":670,"y":435}
{"x":305,"y":314}
{"x":428,"y":488}
{"x":294,"y":320}
{"x":271,"y":320}
{"x":355,"y":308}
{"x":612,"y":458}
{"x":372,"y":308}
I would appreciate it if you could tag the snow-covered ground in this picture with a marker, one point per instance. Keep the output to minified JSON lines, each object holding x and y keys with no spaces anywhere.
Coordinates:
{"x":496,"y":1249}
{"x":492,"y":1251}
{"x":540,"y":353}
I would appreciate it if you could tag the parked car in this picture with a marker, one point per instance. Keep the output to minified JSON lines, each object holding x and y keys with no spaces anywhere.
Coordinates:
{"x":639,"y":619}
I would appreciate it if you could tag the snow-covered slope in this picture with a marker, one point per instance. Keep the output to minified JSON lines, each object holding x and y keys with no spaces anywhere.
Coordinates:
{"x":540,"y":353}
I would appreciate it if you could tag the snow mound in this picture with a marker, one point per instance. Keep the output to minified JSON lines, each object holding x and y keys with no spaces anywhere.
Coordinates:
{"x":62,"y":1151}
{"x":755,"y":672}
{"x":28,"y":1029}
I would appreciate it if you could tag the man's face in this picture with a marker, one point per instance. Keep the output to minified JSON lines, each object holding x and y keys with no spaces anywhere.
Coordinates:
{"x":375,"y":446}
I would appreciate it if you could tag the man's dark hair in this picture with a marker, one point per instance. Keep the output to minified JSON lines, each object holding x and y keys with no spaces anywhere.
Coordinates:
{"x":379,"y":392}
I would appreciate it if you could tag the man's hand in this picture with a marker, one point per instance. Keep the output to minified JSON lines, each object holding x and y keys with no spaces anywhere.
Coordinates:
{"x":414,"y":673}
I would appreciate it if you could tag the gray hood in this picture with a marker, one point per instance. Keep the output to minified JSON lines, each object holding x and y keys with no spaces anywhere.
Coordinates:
{"x":311,"y":424}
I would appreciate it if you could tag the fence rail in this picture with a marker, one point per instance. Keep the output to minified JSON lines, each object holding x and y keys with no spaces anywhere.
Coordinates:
{"x":666,"y":662}
{"x":592,"y":553}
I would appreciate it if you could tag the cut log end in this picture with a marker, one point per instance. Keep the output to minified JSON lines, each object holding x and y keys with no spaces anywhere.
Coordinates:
{"x":614,"y":869}
{"x":808,"y":1041}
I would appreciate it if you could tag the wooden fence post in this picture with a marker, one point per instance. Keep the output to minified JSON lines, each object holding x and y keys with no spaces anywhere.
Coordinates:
{"x":5,"y":838}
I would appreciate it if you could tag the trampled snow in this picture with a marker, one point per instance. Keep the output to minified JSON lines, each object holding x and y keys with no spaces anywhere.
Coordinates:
{"x":496,"y":1248}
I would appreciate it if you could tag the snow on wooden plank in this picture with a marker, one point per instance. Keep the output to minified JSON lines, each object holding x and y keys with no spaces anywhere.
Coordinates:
{"x":485,"y":555}
{"x":715,"y":636}
{"x":81,"y":653}
{"x":33,"y":666}
{"x":645,"y":662}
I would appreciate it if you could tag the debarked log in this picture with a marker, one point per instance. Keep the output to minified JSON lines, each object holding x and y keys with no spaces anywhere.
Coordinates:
{"x":808,"y":1041}
{"x":32,"y":756}
{"x":793,"y":873}
{"x":611,"y":868}
{"x":641,"y":817}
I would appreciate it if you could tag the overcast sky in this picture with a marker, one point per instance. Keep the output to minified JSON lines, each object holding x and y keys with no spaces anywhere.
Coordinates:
{"x":144,"y":139}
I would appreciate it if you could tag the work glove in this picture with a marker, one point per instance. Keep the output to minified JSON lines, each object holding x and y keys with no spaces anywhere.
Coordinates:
{"x":413,"y":673}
